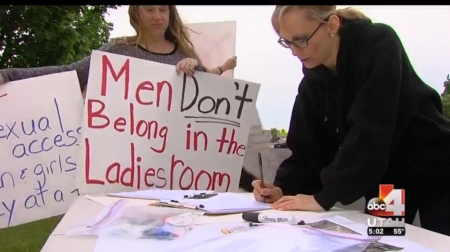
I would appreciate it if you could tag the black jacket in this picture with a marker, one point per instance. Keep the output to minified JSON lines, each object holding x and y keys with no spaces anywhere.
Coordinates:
{"x":245,"y":182}
{"x":374,"y":122}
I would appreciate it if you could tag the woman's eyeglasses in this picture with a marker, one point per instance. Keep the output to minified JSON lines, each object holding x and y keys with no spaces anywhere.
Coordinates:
{"x":300,"y":42}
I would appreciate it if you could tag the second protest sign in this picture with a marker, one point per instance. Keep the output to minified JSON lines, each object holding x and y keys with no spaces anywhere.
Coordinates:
{"x":146,"y":127}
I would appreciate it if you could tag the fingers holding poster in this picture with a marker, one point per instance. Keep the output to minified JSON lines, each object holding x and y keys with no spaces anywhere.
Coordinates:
{"x":40,"y":135}
{"x":146,"y":127}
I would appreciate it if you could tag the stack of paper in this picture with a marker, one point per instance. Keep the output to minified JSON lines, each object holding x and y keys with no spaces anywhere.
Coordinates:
{"x":222,"y":203}
{"x":227,"y":203}
{"x":158,"y":194}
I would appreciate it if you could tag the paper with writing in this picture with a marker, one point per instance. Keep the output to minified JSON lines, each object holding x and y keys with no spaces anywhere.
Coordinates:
{"x":39,"y":138}
{"x":145,"y":127}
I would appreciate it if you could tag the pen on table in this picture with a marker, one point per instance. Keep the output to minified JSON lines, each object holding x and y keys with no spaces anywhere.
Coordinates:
{"x":261,"y":173}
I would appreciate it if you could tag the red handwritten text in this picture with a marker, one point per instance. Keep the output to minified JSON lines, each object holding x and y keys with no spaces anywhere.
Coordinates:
{"x":144,"y":86}
{"x":196,"y":136}
{"x":142,"y":128}
{"x":233,"y":146}
{"x":137,"y":176}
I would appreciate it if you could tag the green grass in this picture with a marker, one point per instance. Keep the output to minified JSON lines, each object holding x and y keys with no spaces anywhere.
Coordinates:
{"x":28,"y":237}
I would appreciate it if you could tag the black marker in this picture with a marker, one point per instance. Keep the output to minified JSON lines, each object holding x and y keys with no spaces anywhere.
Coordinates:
{"x":257,"y":217}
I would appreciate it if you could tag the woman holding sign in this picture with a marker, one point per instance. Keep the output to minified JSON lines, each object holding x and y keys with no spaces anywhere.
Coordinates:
{"x":160,"y":37}
{"x":362,"y":118}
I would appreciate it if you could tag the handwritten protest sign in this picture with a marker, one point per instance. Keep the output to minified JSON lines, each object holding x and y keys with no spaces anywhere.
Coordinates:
{"x":146,"y":127}
{"x":39,"y":136}
{"x":214,"y":42}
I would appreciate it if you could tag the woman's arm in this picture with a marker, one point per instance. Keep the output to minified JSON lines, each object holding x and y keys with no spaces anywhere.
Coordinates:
{"x":82,"y":68}
{"x":245,"y":182}
{"x":228,"y":65}
{"x":216,"y":70}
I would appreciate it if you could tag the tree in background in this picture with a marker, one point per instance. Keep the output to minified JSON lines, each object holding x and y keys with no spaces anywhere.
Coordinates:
{"x":446,"y":105}
{"x":46,"y":35}
{"x":446,"y":98}
{"x":283,"y":133}
{"x":274,"y":132}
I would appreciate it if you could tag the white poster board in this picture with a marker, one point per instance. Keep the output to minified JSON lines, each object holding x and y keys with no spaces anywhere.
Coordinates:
{"x":144,"y":127}
{"x":214,"y":42}
{"x":39,"y":134}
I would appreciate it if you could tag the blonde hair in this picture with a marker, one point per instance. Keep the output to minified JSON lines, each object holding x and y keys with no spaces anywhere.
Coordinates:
{"x":176,"y":32}
{"x":318,"y":12}
{"x":275,"y":15}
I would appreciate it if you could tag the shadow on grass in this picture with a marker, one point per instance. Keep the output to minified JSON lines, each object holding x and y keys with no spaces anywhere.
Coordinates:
{"x":28,"y":237}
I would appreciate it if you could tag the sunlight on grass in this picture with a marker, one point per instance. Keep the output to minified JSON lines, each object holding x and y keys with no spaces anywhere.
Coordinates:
{"x":29,"y":237}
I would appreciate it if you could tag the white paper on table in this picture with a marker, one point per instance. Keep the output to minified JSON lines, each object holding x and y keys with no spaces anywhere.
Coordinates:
{"x":141,"y":199}
{"x":394,"y":241}
{"x":220,"y":203}
{"x":209,"y":238}
{"x":202,"y":233}
{"x":224,"y":202}
{"x":158,"y":194}
{"x":102,"y":200}
{"x":281,"y":237}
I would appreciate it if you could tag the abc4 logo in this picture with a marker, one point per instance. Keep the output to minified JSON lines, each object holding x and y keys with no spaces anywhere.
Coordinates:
{"x":390,"y":203}
{"x":376,"y":207}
